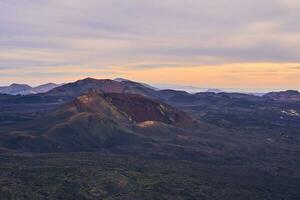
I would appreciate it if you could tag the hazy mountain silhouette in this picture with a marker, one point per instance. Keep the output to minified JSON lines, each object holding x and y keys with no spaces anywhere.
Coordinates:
{"x":23,"y":89}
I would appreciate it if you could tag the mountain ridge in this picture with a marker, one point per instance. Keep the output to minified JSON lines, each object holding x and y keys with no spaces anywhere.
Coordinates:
{"x":288,"y":95}
{"x":23,"y":89}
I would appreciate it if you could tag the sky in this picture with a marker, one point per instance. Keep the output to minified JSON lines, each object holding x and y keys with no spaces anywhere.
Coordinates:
{"x":249,"y":45}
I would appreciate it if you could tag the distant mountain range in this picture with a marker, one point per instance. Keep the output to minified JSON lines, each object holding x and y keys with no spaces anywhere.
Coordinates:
{"x":128,"y":86}
{"x":23,"y":89}
{"x":214,"y":90}
{"x":144,"y":84}
{"x":119,"y":84}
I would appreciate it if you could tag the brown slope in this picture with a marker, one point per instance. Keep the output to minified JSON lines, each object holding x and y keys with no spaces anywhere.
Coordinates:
{"x":141,"y":109}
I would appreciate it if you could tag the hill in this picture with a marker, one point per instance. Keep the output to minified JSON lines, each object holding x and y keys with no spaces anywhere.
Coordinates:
{"x":23,"y":89}
{"x":92,"y":121}
{"x":14,"y":89}
{"x":290,"y":95}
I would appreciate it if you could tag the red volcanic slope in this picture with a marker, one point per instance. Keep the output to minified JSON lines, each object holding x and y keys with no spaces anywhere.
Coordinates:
{"x":142,"y":109}
{"x":129,"y":107}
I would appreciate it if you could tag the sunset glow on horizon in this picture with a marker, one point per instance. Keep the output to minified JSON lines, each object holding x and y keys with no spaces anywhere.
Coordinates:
{"x":243,"y":46}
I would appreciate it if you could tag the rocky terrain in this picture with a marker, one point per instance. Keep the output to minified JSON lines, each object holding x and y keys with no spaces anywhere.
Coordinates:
{"x":119,"y":139}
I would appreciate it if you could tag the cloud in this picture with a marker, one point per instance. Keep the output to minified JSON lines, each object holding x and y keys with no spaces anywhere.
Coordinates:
{"x":147,"y":34}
